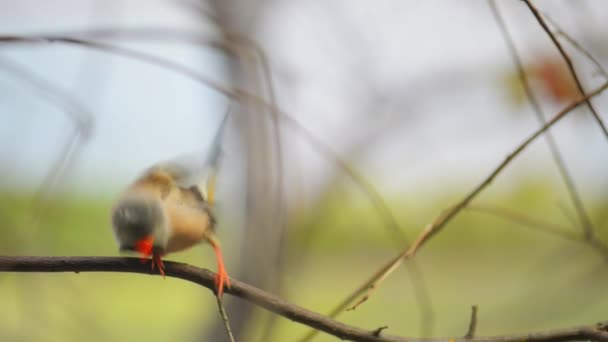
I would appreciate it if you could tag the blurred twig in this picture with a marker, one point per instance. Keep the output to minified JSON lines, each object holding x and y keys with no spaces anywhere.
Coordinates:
{"x":588,"y":229}
{"x":449,"y":213}
{"x":203,"y":277}
{"x":526,"y":221}
{"x":225,"y":320}
{"x":590,"y":234}
{"x":575,"y":197}
{"x":568,"y":37}
{"x":81,"y":117}
{"x":540,"y":225}
{"x":472,"y":323}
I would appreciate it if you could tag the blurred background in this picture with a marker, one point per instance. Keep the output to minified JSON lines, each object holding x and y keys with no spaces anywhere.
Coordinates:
{"x":391,"y":112}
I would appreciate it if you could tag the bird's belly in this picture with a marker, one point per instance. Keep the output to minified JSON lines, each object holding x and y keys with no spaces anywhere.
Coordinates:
{"x":179,"y":243}
{"x":188,"y":227}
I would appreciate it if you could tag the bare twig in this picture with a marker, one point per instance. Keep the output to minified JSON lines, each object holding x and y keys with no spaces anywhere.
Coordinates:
{"x":567,"y":213}
{"x":526,"y":221}
{"x":222,"y":310}
{"x":588,"y":230}
{"x":449,"y":213}
{"x":568,"y":37}
{"x":472,"y":323}
{"x":575,"y":197}
{"x":379,"y":330}
{"x":205,"y":278}
{"x":80,"y":116}
{"x":542,"y":226}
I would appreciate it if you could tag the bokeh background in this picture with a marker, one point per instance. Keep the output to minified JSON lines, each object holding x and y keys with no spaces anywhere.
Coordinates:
{"x":419,"y":100}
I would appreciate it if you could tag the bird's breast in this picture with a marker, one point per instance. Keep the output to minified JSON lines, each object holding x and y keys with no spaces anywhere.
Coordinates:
{"x":188,"y":227}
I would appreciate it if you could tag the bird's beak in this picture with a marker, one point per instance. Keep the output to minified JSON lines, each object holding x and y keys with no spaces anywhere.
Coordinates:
{"x":145,"y":245}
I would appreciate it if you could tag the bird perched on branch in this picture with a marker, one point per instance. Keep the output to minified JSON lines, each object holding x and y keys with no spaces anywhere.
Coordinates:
{"x":164,"y":212}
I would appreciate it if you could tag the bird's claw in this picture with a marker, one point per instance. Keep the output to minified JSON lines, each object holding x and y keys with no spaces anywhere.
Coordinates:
{"x":156,"y":260}
{"x":221,"y":280}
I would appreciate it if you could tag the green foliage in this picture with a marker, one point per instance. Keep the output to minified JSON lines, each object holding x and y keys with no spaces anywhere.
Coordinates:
{"x":521,"y":279}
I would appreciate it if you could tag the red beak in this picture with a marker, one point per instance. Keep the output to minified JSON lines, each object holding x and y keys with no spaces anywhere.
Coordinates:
{"x":145,"y":245}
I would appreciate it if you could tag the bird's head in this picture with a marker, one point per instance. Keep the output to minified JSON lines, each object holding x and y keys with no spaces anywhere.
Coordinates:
{"x":140,"y":224}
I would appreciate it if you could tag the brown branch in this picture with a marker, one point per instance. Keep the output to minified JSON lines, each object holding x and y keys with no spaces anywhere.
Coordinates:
{"x":205,"y":278}
{"x":568,"y":61}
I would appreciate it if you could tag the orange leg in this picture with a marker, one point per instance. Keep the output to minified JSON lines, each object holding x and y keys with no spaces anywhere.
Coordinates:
{"x":221,"y":277}
{"x":156,"y":260}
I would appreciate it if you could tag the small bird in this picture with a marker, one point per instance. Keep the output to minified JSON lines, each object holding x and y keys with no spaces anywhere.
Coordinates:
{"x":164,"y":212}
{"x":156,"y":216}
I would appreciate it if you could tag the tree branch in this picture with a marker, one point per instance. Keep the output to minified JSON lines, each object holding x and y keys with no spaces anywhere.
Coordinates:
{"x":205,"y":278}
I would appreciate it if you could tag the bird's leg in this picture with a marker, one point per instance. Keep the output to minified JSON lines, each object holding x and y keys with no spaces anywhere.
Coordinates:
{"x":158,"y":261}
{"x":221,"y":277}
{"x":145,"y":246}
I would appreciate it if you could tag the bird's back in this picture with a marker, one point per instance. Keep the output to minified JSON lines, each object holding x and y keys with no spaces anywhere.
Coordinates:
{"x":189,"y":215}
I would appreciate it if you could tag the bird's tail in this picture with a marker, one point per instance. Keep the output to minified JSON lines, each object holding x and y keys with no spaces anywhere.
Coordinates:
{"x":207,"y":185}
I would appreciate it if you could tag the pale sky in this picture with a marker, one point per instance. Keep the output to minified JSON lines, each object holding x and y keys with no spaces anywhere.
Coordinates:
{"x":444,"y":58}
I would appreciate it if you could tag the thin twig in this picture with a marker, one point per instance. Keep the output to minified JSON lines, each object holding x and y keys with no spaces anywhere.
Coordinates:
{"x":568,"y":214}
{"x":472,"y":323}
{"x":568,"y":37}
{"x":588,"y":229}
{"x":526,"y":221}
{"x":575,"y":197}
{"x":540,"y":225}
{"x":81,"y":117}
{"x":220,"y":306}
{"x":449,"y":213}
{"x":379,"y":330}
{"x":205,"y":278}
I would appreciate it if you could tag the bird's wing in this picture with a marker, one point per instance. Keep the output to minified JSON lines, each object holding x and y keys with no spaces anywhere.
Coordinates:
{"x":190,"y":172}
